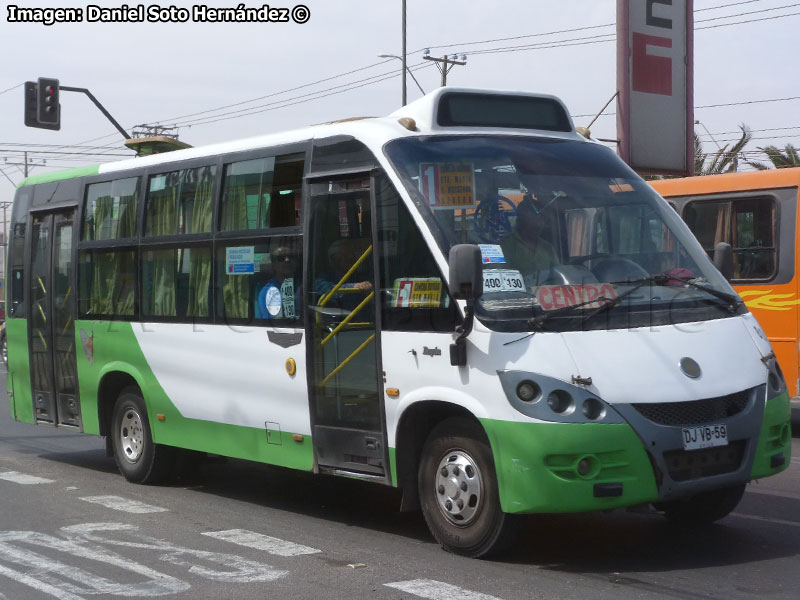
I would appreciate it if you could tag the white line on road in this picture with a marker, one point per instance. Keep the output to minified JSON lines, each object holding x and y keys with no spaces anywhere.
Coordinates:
{"x":123,"y":504}
{"x":23,"y":479}
{"x":767,"y":520}
{"x":250,"y":539}
{"x":43,"y":587}
{"x":436,"y":590}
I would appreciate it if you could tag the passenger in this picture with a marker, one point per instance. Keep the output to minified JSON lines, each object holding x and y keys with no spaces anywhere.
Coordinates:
{"x":279,"y":298}
{"x":342,"y":256}
{"x":524,"y":249}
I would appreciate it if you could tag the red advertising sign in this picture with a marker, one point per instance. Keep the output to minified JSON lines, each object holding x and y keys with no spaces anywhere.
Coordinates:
{"x":655,"y":113}
{"x":589,"y":295}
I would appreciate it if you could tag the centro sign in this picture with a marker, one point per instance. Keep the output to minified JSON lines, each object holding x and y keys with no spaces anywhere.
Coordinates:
{"x":655,"y":116}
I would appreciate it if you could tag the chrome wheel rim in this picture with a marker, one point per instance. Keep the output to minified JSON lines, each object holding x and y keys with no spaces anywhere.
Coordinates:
{"x":131,"y":435}
{"x":458,"y":487}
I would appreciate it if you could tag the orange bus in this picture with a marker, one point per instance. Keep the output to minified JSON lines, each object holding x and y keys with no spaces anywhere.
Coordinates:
{"x":757,"y":214}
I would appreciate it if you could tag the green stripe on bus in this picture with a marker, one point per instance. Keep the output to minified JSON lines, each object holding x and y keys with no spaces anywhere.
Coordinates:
{"x":536,"y":466}
{"x":18,"y":380}
{"x":60,"y":175}
{"x":775,"y":437}
{"x":106,"y":347}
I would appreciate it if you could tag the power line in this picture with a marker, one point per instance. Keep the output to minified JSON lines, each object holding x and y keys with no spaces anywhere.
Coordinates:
{"x":12,"y":88}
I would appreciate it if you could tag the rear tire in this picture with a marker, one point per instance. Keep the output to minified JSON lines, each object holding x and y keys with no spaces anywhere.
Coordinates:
{"x":705,"y":508}
{"x":458,"y":491}
{"x":137,"y":457}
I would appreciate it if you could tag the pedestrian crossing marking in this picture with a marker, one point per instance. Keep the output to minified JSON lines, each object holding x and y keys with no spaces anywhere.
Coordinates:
{"x":259,"y":541}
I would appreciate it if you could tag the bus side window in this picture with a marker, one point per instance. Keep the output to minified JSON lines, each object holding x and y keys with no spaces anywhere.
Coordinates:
{"x":747,"y":224}
{"x":414,"y":296}
{"x":262,"y":193}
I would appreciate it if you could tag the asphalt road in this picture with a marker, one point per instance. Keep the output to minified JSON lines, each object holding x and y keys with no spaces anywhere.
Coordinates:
{"x":71,"y":527}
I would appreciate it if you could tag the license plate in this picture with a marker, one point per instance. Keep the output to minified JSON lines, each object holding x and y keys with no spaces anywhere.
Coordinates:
{"x":706,"y":436}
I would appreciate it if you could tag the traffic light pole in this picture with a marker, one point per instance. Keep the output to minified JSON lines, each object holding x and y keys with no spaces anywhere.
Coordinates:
{"x":98,"y":105}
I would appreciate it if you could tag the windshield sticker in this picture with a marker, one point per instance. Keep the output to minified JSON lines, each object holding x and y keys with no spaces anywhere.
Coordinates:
{"x":491,"y":253}
{"x":619,"y":185}
{"x":272,"y":302}
{"x":287,"y":296}
{"x":589,"y":296}
{"x":240,"y":260}
{"x":502,"y":280}
{"x":417,"y":292}
{"x":447,"y":185}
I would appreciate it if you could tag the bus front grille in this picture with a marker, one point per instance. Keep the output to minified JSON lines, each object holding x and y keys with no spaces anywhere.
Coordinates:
{"x":695,"y":412}
{"x":684,"y":465}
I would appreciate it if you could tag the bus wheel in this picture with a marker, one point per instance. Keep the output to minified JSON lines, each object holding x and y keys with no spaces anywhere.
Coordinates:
{"x":704,"y":508}
{"x":137,"y":457}
{"x":458,"y":491}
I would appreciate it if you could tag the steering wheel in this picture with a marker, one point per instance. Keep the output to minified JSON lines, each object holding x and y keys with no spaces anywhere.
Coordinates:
{"x":490,"y":221}
{"x":577,"y":260}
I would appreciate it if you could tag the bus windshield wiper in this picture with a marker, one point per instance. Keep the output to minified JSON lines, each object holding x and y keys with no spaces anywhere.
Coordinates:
{"x":534,"y":322}
{"x":732,"y":301}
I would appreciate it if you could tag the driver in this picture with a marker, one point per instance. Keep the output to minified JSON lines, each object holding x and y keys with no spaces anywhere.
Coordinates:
{"x":524,"y":248}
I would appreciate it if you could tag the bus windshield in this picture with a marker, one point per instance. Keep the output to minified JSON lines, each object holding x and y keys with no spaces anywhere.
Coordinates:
{"x":565,"y":229}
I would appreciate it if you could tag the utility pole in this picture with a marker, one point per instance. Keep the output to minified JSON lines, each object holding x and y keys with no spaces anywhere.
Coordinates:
{"x":445,"y":63}
{"x":405,"y":95}
{"x":26,"y":164}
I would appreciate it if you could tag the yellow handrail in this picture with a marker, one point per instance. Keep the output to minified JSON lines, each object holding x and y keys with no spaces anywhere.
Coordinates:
{"x":326,"y":298}
{"x":345,"y":362}
{"x":347,"y":319}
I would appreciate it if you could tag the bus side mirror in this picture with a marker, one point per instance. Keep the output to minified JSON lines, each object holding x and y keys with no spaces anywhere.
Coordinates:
{"x":723,"y":259}
{"x":466,"y":283}
{"x":466,"y":272}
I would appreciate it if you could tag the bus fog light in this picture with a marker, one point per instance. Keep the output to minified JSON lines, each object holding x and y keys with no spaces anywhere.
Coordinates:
{"x":528,"y":391}
{"x":588,"y":467}
{"x":593,"y":409}
{"x":786,"y":434}
{"x":561,"y":402}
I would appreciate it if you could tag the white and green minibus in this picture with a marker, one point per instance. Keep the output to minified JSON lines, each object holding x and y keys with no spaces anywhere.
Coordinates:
{"x":466,"y":299}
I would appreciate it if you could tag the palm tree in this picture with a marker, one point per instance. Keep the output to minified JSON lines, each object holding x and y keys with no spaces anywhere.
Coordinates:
{"x":780,"y":159}
{"x":723,"y":160}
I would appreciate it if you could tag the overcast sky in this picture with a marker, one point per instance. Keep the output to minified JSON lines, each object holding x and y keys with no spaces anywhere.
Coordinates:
{"x":162,"y":72}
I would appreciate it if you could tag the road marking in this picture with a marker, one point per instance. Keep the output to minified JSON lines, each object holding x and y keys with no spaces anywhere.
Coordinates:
{"x":23,"y":479}
{"x":236,"y":569}
{"x":250,"y":539}
{"x":767,"y":520}
{"x":768,"y":492}
{"x":437,"y":590}
{"x":123,"y":504}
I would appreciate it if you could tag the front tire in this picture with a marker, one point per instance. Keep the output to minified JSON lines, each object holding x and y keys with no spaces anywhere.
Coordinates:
{"x":137,"y":457}
{"x":704,"y":508}
{"x":458,"y":491}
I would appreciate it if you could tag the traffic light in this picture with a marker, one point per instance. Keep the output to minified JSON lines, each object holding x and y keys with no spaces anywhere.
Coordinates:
{"x":48,"y":110}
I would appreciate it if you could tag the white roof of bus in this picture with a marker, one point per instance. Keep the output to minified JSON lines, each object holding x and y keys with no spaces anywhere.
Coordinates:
{"x":374,"y":132}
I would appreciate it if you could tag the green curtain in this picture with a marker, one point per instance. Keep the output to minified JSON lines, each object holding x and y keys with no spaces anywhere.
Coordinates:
{"x":103,"y":213}
{"x":162,"y":220}
{"x":236,"y":288}
{"x":200,"y":258}
{"x":101,"y":297}
{"x":126,"y":226}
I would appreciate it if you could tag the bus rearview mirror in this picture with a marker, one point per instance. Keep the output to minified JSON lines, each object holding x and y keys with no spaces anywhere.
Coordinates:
{"x":466,"y":272}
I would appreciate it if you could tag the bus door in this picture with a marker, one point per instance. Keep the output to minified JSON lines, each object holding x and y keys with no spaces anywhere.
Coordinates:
{"x":346,"y":404}
{"x":52,"y":329}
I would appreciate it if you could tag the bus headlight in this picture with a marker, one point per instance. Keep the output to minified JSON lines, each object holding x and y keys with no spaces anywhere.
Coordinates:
{"x":549,"y":399}
{"x":528,"y":391}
